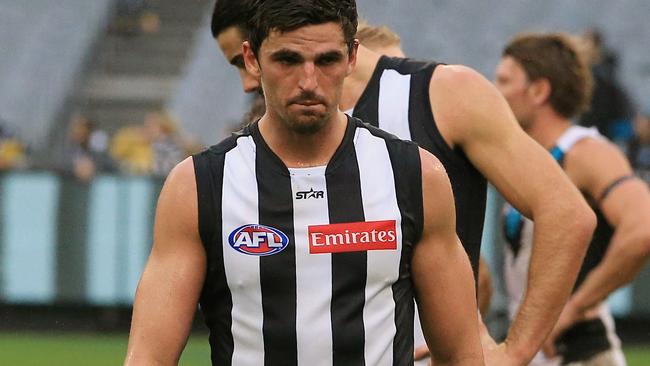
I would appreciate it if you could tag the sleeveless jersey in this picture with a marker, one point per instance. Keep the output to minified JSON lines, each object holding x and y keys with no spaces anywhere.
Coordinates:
{"x":584,"y":339}
{"x":396,"y":100}
{"x":310,"y":266}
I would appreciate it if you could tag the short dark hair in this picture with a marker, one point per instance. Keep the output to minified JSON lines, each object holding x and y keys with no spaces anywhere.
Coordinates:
{"x":555,"y":57}
{"x":289,"y":15}
{"x":231,"y":13}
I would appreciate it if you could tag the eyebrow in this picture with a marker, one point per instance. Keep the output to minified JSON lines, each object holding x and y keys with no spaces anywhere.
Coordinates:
{"x":237,"y":61}
{"x":285,"y":53}
{"x":330,"y":55}
{"x":335,"y":54}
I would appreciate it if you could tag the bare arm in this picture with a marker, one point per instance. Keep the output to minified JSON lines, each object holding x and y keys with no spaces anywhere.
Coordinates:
{"x":526,"y":176}
{"x":168,"y":292}
{"x":626,"y":208}
{"x":443,"y":277}
{"x":594,"y":165}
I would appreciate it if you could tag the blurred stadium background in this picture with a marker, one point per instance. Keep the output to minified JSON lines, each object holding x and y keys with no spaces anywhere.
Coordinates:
{"x":99,"y":98}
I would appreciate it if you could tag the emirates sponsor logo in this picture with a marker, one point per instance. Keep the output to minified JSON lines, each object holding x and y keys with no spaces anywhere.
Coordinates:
{"x":352,"y":237}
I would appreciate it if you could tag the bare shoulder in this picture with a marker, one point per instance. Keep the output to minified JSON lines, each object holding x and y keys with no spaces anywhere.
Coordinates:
{"x":593,"y":163}
{"x":178,"y":199}
{"x":437,"y":196}
{"x":463,"y":98}
{"x":432,"y":169}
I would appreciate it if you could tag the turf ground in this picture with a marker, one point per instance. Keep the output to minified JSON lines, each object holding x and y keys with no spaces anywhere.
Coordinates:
{"x":36,"y":349}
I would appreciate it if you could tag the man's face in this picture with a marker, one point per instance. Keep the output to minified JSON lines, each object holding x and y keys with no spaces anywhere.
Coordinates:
{"x":302,"y":73}
{"x":513,"y":83}
{"x":230,"y":41}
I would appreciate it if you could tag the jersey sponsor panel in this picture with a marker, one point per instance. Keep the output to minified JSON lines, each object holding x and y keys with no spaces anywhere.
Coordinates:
{"x":352,"y":237}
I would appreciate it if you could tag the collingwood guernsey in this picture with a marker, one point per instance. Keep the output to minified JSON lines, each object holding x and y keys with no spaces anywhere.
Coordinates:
{"x":310,"y":266}
{"x":396,"y":100}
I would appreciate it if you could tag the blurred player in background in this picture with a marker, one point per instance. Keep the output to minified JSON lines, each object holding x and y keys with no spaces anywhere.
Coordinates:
{"x":547,"y":82}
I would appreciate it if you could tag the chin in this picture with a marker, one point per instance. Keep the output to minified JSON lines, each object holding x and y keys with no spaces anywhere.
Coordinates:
{"x":307,"y":125}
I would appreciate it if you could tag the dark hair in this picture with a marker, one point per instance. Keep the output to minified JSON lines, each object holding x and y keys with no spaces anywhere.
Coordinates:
{"x":289,"y":15}
{"x":554,"y":57}
{"x":231,"y":13}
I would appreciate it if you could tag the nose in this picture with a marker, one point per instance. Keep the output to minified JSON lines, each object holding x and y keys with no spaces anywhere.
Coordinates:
{"x":308,"y":80}
{"x":249,"y":82}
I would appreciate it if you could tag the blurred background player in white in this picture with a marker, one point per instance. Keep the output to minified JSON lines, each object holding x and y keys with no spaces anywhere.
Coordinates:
{"x":547,"y":82}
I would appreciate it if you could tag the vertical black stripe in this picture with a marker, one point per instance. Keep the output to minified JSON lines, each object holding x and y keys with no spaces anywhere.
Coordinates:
{"x":405,"y":161}
{"x":469,"y":185}
{"x":71,"y":258}
{"x":421,"y":123}
{"x":216,"y":299}
{"x":277,"y":272}
{"x":349,"y":270}
{"x":367,"y":107}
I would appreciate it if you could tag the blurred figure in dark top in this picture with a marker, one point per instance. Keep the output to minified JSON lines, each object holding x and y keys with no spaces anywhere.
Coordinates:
{"x":638,"y":149}
{"x":611,"y":110}
{"x":85,"y":151}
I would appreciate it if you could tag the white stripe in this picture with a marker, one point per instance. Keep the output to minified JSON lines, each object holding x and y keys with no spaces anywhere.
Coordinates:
{"x":314,"y":282}
{"x":379,"y":203}
{"x":242,"y":271}
{"x":606,"y":316}
{"x":394,"y":93}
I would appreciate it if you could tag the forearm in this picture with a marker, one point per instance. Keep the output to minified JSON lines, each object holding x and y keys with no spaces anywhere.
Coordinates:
{"x":626,"y":257}
{"x":560,"y":239}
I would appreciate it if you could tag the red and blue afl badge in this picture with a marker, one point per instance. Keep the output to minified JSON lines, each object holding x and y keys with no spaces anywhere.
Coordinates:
{"x":258,"y":240}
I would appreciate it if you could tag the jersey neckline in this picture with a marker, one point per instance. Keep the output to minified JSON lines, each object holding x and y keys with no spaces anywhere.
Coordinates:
{"x":280,"y":167}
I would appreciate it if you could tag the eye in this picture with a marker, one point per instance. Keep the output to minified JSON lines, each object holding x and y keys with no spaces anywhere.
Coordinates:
{"x":286,"y":58}
{"x":329,"y":59}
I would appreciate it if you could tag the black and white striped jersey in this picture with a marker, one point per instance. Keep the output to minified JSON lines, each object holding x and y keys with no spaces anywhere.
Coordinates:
{"x":310,"y":266}
{"x":396,"y":100}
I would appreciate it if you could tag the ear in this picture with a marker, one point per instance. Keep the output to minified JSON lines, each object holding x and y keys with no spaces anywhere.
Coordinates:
{"x":540,"y":90}
{"x":352,"y":59}
{"x":250,"y":60}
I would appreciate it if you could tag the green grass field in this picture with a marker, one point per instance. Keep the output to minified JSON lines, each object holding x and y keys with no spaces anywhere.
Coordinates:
{"x":36,"y":349}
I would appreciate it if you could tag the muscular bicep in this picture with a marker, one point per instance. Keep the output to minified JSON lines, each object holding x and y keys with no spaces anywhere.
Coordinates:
{"x":167,"y":295}
{"x":442,"y":274}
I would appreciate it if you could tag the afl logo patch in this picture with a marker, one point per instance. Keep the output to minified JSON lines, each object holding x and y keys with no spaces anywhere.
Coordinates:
{"x":258,"y":240}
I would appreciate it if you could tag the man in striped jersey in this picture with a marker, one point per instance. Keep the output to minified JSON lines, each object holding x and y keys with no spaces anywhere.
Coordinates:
{"x":547,"y":82}
{"x":459,"y":116}
{"x":306,"y":236}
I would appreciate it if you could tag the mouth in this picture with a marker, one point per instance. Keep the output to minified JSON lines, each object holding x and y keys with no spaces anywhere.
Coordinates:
{"x":308,"y":103}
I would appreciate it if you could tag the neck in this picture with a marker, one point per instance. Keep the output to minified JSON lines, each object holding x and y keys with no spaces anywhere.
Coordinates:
{"x":356,"y":82}
{"x":300,"y":150}
{"x":547,"y":127}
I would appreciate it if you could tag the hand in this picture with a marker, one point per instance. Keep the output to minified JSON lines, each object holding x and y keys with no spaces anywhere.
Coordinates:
{"x":570,"y":315}
{"x":496,"y":354}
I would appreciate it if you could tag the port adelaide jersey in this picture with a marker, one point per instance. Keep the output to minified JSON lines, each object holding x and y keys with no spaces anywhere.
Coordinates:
{"x":310,"y":266}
